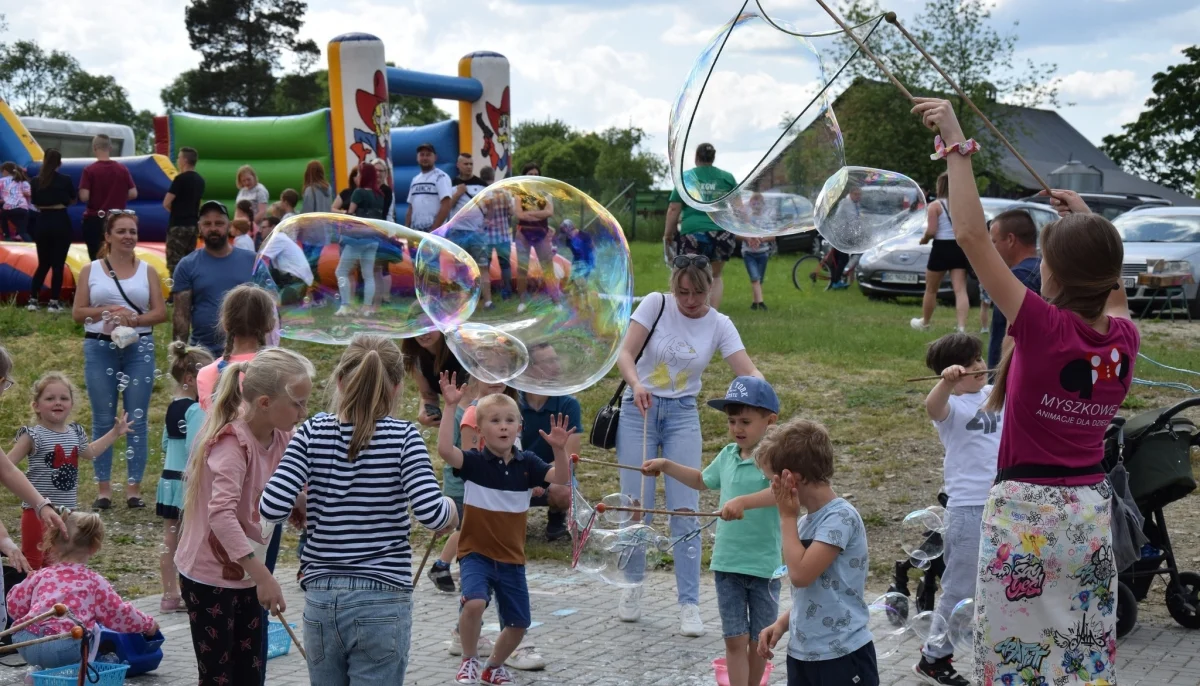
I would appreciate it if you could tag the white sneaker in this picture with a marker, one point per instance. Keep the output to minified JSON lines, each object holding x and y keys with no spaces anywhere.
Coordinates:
{"x":53,"y":306}
{"x":629,"y":610}
{"x":961,"y":329}
{"x":484,"y":647}
{"x":690,"y":623}
{"x":344,"y":311}
{"x":521,"y":308}
{"x":918,"y":324}
{"x":983,"y":330}
{"x":32,"y":306}
{"x":526,"y":659}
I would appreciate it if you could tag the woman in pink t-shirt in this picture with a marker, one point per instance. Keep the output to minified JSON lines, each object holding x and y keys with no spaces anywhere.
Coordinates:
{"x":1045,"y":601}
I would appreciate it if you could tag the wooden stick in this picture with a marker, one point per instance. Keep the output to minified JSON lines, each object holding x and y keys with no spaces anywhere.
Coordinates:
{"x":867,"y":51}
{"x":287,"y":627}
{"x":58,"y":610}
{"x":645,"y":426}
{"x":425,"y":558}
{"x":602,"y":508}
{"x":606,"y":463}
{"x":75,"y":632}
{"x":937,"y":377}
{"x":891,"y":18}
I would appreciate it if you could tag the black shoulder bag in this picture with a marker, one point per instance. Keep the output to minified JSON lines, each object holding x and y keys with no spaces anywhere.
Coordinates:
{"x":604,"y":429}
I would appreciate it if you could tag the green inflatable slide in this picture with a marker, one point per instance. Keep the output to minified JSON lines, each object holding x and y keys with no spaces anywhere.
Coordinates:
{"x":279,"y":149}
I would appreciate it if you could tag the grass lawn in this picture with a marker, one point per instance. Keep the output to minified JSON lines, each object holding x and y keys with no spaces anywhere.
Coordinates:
{"x":836,"y":357}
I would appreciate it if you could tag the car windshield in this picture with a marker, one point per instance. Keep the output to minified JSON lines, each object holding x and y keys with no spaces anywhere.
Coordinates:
{"x":1136,"y":227}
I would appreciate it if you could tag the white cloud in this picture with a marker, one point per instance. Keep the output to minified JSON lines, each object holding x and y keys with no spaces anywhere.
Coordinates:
{"x":1090,"y":86}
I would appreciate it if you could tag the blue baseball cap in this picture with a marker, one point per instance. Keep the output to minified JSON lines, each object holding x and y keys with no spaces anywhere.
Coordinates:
{"x":750,"y":391}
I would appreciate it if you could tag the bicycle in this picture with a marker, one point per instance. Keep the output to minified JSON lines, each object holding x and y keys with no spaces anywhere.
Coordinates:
{"x":813,"y":268}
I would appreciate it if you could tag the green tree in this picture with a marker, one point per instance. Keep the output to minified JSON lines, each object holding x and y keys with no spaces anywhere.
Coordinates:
{"x":960,"y":35}
{"x":596,"y":162}
{"x":242,"y":44}
{"x":1163,"y":144}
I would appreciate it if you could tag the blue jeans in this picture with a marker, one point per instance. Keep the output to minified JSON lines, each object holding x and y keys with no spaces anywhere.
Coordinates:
{"x":481,"y":577}
{"x":673,"y":430}
{"x":356,"y":631}
{"x":362,"y":253}
{"x":756,"y":265}
{"x":50,"y":654}
{"x":137,"y":361}
{"x":961,"y":554}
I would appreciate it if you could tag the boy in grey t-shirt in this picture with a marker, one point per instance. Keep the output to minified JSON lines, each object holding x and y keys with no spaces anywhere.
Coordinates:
{"x":825,"y":552}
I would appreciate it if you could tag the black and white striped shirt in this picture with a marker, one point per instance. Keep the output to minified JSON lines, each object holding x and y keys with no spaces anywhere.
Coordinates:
{"x":358,"y":522}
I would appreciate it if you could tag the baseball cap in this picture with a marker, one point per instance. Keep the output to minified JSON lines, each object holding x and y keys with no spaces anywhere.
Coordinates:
{"x":426,"y":146}
{"x":214,"y":205}
{"x":750,"y":391}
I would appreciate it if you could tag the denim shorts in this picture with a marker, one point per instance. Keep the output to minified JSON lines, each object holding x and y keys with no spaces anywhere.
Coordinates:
{"x":748,"y":604}
{"x":481,"y":577}
{"x":756,"y":265}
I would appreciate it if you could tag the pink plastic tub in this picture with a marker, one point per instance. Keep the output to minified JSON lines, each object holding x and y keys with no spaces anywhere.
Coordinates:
{"x":723,"y":673}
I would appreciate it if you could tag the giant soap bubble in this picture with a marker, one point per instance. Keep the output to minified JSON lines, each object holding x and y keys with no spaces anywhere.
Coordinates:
{"x":568,"y":300}
{"x":860,"y":207}
{"x":758,"y":94}
{"x":336,"y":275}
{"x":960,"y":628}
{"x":887,"y":620}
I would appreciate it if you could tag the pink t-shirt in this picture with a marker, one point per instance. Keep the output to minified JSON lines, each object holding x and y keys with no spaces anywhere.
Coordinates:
{"x":1065,"y":383}
{"x":87,"y":594}
{"x":218,"y":532}
{"x":206,"y":379}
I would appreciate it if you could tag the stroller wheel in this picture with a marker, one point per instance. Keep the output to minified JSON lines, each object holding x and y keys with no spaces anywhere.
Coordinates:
{"x":1183,"y":600}
{"x":1127,"y":609}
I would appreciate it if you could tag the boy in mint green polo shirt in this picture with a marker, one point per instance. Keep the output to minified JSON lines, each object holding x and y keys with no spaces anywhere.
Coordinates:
{"x":747,"y":551}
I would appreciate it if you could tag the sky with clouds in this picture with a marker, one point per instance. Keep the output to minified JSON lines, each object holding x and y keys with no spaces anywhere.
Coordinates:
{"x":598,"y":63}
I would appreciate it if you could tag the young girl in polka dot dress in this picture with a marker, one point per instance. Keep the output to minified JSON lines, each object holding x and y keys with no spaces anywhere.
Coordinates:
{"x":54,"y":446}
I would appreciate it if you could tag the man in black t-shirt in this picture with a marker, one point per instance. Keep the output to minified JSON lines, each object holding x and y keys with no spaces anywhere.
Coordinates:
{"x":183,"y":202}
{"x":467,"y":230}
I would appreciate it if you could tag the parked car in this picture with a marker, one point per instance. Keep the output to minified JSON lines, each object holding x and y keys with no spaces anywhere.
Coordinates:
{"x":896,"y":267}
{"x":1160,"y":233}
{"x":1109,"y":205}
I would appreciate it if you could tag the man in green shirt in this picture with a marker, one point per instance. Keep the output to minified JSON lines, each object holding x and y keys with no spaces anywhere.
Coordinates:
{"x":692,"y":230}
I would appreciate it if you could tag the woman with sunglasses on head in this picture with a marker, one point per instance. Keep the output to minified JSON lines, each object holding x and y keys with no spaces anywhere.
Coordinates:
{"x":113,"y":294}
{"x":680,"y":332}
{"x":52,"y":193}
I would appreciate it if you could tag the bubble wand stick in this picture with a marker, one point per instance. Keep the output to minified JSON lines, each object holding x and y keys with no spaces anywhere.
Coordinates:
{"x":601,"y":508}
{"x":891,"y":19}
{"x":935,"y":377}
{"x":577,"y":459}
{"x":58,"y":610}
{"x":291,"y":633}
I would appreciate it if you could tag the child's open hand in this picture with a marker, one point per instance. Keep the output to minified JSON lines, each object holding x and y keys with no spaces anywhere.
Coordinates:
{"x":938,"y":115}
{"x":121,"y":426}
{"x":733,"y":509}
{"x":787,"y":497}
{"x":954,"y":373}
{"x":654,"y":467}
{"x":559,"y":431}
{"x":451,"y":392}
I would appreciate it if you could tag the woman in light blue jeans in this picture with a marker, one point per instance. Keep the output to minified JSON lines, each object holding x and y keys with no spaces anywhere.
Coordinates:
{"x":659,"y":417}
{"x":113,"y":294}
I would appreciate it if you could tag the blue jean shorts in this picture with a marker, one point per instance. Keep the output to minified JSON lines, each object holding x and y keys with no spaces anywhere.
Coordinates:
{"x":748,"y":604}
{"x":756,"y":265}
{"x":481,"y":577}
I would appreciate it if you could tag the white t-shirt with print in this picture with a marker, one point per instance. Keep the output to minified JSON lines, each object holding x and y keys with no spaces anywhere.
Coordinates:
{"x":681,"y":347}
{"x":971,"y":436}
{"x":425,"y":196}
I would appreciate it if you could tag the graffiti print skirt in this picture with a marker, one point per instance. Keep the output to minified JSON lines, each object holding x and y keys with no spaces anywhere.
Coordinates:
{"x":1046,"y":597}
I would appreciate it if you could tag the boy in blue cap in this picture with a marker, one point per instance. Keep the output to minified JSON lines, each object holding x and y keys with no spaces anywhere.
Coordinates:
{"x":748,"y":540}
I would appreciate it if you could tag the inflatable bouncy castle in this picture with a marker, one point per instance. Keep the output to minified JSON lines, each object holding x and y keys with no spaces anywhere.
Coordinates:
{"x":354,"y":129}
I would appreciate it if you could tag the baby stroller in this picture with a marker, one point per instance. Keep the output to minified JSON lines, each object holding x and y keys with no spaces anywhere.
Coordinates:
{"x":927,"y":586}
{"x":1156,"y":449}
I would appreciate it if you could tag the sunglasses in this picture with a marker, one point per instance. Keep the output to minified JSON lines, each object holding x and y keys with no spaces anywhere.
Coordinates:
{"x":682,"y":261}
{"x":116,"y":213}
{"x":5,"y":384}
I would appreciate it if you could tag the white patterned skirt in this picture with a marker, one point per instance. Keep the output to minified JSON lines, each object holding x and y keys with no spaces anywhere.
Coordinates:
{"x":1046,"y":598}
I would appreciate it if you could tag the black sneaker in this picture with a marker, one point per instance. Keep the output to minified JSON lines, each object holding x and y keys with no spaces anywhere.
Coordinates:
{"x":754,"y":306}
{"x":556,"y":525}
{"x":439,"y":574}
{"x":762,"y":306}
{"x":939,"y":672}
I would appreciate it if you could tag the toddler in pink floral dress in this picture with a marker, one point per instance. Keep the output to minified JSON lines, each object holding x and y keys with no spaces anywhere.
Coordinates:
{"x":67,"y":580}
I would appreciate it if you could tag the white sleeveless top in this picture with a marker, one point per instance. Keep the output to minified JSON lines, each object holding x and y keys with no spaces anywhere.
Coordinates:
{"x":103,"y":291}
{"x":945,"y":230}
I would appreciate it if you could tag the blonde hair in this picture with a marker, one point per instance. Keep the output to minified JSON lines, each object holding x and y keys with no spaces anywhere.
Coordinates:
{"x":272,"y":372}
{"x":43,"y":383}
{"x":801,"y":446}
{"x":493,"y":402}
{"x":366,"y":379}
{"x":187,"y":359}
{"x":245,"y":169}
{"x":85,"y":531}
{"x":247,"y":311}
{"x":701,"y":278}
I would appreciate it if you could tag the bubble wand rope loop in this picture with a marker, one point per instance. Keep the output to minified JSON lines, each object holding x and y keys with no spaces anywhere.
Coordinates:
{"x":891,"y":19}
{"x":867,"y":51}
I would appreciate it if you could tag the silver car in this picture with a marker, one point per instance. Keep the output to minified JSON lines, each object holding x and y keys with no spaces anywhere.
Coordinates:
{"x":1160,"y":233}
{"x":896,"y":267}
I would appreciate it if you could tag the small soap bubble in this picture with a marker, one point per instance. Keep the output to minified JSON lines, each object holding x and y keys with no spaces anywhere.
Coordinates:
{"x":920,"y":535}
{"x":109,"y":371}
{"x":138,"y":414}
